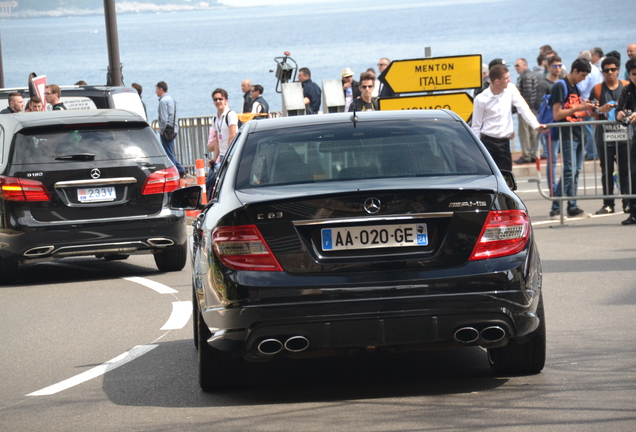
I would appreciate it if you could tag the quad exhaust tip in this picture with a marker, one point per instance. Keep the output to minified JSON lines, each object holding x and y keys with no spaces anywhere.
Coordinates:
{"x":489,"y":334}
{"x":273,"y":346}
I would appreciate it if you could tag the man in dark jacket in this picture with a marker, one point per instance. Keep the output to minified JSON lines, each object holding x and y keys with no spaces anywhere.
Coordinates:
{"x":16,"y":104}
{"x":311,"y":91}
{"x":626,"y":111}
{"x":259,"y":106}
{"x":527,"y":85}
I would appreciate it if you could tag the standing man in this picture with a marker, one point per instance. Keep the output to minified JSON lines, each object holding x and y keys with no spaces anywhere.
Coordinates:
{"x":384,"y":91}
{"x":52,"y":93}
{"x":246,"y":87}
{"x":492,"y":115}
{"x":570,"y":108}
{"x":631,"y":53}
{"x":34,"y":105}
{"x":350,"y":87}
{"x":168,"y":123}
{"x":626,"y":110}
{"x":311,"y":91}
{"x":597,"y":56}
{"x":586,"y":87}
{"x":527,"y":86}
{"x":366,"y":101}
{"x":259,"y":106}
{"x":550,"y":146}
{"x":16,"y":104}
{"x":611,"y":150}
{"x":139,"y":89}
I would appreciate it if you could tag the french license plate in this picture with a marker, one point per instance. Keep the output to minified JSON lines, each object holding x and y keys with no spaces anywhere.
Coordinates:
{"x":96,"y":194}
{"x":615,"y":132}
{"x":377,"y":236}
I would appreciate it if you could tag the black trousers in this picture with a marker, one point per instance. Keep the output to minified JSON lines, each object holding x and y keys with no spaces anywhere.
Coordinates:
{"x":499,"y":149}
{"x":608,"y":156}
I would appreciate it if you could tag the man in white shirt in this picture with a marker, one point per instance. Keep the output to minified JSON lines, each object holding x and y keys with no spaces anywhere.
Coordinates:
{"x":492,"y":116}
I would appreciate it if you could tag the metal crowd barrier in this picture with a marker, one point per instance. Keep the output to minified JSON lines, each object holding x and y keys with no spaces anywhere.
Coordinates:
{"x":192,"y":139}
{"x":566,"y":130}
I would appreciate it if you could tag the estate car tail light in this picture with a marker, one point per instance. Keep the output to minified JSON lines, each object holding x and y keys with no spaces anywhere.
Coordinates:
{"x":19,"y":189}
{"x":243,"y":248}
{"x":165,"y":180}
{"x":505,"y":233}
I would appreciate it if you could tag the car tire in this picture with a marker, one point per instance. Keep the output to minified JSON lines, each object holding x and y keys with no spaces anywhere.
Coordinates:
{"x":172,"y":258}
{"x":215,"y":372}
{"x":8,"y":271}
{"x":525,"y":358}
{"x":195,"y":318}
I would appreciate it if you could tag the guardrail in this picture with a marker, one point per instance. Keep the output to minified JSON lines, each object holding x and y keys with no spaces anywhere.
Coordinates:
{"x":564,"y":164}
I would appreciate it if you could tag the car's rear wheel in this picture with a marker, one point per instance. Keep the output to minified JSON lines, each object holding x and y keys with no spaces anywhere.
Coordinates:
{"x":215,"y":372}
{"x":8,"y":271}
{"x":522,"y":358}
{"x":172,"y":258}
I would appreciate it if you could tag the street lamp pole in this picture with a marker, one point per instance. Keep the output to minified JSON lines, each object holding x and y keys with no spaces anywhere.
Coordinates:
{"x":114,"y":77}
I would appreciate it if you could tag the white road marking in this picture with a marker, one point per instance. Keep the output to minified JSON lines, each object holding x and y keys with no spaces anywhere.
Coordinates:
{"x":181,"y":312}
{"x":118,"y":361}
{"x":156,"y":286}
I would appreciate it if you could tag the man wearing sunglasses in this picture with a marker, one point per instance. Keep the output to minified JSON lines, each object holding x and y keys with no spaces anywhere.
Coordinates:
{"x":626,"y":111}
{"x":555,"y":65}
{"x":612,"y":148}
{"x":366,"y":101}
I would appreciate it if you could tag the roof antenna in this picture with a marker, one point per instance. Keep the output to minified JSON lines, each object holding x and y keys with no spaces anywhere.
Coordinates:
{"x":354,"y":117}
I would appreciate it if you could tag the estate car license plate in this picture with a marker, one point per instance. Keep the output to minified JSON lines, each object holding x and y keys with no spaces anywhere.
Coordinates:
{"x":377,"y":236}
{"x":96,"y":194}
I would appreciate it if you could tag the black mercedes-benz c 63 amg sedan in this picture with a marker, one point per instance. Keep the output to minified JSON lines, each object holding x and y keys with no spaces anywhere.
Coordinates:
{"x":78,"y":183}
{"x":332,"y":234}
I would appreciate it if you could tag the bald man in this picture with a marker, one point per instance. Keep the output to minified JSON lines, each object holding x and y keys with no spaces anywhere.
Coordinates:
{"x":631,"y":53}
{"x":246,"y":87}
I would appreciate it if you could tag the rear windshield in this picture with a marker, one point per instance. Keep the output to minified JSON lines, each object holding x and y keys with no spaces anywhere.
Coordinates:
{"x":340,"y":152}
{"x":90,"y":143}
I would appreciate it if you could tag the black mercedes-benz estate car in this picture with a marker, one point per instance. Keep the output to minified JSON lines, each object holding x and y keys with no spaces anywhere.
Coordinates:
{"x":332,"y":234}
{"x":77,"y":183}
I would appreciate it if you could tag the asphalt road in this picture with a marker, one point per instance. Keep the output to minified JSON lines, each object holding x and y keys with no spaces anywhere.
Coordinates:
{"x":84,"y":347}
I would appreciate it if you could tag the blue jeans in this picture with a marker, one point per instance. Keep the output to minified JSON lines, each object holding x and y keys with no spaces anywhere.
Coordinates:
{"x":552,"y":157}
{"x":168,"y":146}
{"x":590,"y":144}
{"x":572,"y":155}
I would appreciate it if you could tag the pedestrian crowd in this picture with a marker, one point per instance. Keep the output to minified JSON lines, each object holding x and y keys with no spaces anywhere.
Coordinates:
{"x":592,"y":89}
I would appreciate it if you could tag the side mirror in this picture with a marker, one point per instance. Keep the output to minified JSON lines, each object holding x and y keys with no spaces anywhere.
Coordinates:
{"x":510,"y":179}
{"x":188,"y":198}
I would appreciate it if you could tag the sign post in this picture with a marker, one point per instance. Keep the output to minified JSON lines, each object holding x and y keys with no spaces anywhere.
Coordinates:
{"x":433,"y":74}
{"x":433,"y":78}
{"x":460,"y":103}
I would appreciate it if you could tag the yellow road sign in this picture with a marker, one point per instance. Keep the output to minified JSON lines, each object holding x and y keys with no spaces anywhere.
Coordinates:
{"x":433,"y":74}
{"x":460,"y":103}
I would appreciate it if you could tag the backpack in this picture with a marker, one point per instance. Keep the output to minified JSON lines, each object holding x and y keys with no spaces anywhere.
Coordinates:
{"x":544,"y":113}
{"x":597,"y":95}
{"x":227,"y":122}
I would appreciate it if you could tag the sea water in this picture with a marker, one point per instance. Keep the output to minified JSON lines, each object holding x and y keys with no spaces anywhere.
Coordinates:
{"x":196,"y":52}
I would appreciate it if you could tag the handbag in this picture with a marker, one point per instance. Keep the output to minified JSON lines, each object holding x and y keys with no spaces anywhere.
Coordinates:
{"x":168,"y":133}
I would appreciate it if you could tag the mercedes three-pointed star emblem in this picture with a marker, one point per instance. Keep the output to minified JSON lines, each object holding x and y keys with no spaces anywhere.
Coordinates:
{"x":372,"y":205}
{"x":95,"y":173}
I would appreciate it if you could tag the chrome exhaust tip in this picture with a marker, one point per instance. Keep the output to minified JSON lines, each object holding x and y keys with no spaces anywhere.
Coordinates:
{"x":270,"y":347}
{"x":39,"y":251}
{"x":466,"y":335}
{"x":493,"y":334}
{"x":296,"y":344}
{"x":160,"y":242}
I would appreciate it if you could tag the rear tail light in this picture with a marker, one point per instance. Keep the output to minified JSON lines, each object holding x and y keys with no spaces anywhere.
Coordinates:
{"x":243,"y":248}
{"x":505,"y":232}
{"x":19,"y":189}
{"x":165,"y":180}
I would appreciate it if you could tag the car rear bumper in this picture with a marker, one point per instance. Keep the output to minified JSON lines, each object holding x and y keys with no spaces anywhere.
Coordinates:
{"x":42,"y":241}
{"x":424,"y":313}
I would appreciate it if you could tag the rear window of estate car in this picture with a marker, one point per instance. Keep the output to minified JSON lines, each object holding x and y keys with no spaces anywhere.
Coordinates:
{"x":340,"y":152}
{"x":95,"y":143}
